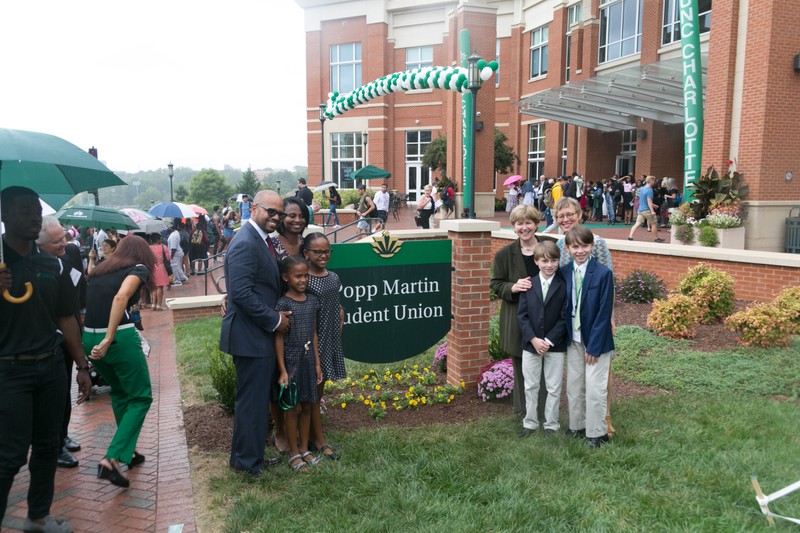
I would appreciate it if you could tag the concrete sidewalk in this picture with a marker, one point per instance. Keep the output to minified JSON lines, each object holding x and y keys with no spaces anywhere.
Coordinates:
{"x":160,"y":496}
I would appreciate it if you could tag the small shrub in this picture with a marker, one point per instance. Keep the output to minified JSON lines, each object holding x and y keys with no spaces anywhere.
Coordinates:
{"x":763,"y":325}
{"x":641,"y":286}
{"x":497,"y":381}
{"x":789,"y":300}
{"x":500,"y":204}
{"x":223,"y":376}
{"x":712,"y":291}
{"x":440,"y":358}
{"x":684,"y":233}
{"x":496,"y":352}
{"x":708,"y":236}
{"x":676,"y":317}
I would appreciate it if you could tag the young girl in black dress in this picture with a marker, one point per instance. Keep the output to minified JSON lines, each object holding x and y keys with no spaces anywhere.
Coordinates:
{"x":325,"y":285}
{"x":298,"y":358}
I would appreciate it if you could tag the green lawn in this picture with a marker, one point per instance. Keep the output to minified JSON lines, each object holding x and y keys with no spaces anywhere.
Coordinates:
{"x":682,"y":461}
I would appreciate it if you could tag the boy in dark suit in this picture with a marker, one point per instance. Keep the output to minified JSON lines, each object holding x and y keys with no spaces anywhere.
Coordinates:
{"x":590,"y":290}
{"x":542,"y":320}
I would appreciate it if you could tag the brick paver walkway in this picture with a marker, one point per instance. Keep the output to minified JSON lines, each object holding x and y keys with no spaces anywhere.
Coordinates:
{"x":160,"y":496}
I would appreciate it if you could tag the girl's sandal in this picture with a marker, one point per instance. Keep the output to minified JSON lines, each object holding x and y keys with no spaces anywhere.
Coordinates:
{"x":309,"y":459}
{"x":327,"y":452}
{"x":299,"y":465}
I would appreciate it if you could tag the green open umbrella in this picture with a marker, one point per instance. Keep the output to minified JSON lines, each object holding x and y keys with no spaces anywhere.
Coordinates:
{"x":56,"y":169}
{"x":370,"y":172}
{"x":96,"y":217}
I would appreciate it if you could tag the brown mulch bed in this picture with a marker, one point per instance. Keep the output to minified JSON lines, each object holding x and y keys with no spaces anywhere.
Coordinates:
{"x":209,"y":427}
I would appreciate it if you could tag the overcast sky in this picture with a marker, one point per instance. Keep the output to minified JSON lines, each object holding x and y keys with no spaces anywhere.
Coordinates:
{"x":201,"y":83}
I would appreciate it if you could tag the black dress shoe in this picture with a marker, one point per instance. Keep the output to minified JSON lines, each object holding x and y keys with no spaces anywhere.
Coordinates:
{"x":525,"y":432}
{"x":66,"y":459}
{"x":137,"y":459}
{"x":576,"y":433}
{"x":71,"y":445}
{"x":596,"y":442}
{"x":113,"y":475}
{"x":271,"y":461}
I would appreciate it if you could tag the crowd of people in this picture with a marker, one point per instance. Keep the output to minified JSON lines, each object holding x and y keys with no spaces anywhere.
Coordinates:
{"x":616,"y":200}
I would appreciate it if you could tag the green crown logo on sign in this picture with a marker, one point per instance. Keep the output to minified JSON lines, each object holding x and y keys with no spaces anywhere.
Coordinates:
{"x":385,"y":245}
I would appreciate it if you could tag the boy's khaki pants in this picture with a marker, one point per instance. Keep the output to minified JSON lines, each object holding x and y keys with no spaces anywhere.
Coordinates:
{"x":587,"y":391}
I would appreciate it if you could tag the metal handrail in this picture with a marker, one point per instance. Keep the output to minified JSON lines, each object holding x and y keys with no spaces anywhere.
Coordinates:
{"x":208,"y":271}
{"x":335,"y":232}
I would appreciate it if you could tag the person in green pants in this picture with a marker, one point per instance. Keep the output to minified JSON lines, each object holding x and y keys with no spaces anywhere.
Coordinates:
{"x":114,"y":347}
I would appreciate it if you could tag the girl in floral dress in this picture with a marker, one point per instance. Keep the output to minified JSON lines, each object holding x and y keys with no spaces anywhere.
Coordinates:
{"x":512,"y":198}
{"x":325,"y":285}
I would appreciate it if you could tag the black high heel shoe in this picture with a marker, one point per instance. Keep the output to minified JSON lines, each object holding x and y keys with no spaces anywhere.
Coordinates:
{"x":137,"y":459}
{"x":113,"y":475}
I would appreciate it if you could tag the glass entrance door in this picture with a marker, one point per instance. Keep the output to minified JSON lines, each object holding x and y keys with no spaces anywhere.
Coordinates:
{"x":626,"y":164}
{"x":417,"y":177}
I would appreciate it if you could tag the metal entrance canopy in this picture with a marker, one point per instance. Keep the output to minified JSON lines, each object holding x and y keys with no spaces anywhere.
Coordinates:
{"x":614,"y":101}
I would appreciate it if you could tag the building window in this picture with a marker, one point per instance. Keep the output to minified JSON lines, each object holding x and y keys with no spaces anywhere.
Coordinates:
{"x":497,"y":58}
{"x":629,"y":142}
{"x":346,"y":157}
{"x":345,"y":67}
{"x":564,"y":151}
{"x":416,"y":143}
{"x":672,"y":20}
{"x":620,"y":29}
{"x":539,"y":52}
{"x":536,"y":150}
{"x":573,"y":17}
{"x":419,"y":57}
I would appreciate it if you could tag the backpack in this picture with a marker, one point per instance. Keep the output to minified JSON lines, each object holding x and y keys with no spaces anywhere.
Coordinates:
{"x":678,"y":199}
{"x":445,"y":194}
{"x":197,"y":236}
{"x":548,"y":198}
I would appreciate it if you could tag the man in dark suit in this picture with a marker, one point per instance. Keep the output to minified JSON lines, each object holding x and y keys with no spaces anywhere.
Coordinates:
{"x":248,"y":327}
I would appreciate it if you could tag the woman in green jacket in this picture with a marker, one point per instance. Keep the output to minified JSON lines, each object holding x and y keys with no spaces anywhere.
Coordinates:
{"x":511,"y":275}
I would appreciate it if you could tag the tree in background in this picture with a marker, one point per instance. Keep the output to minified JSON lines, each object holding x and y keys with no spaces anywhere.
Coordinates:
{"x":209,"y":188}
{"x":181,"y":193}
{"x":435,"y":156}
{"x":249,"y":183}
{"x":148,"y":197}
{"x":288,"y":181}
{"x":504,"y":157}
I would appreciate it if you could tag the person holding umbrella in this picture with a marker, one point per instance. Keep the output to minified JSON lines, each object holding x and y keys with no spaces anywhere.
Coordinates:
{"x":334,"y":201}
{"x":511,"y":183}
{"x":31,"y":365}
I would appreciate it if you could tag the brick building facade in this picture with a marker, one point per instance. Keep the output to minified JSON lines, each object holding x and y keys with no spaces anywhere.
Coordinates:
{"x":552,"y":54}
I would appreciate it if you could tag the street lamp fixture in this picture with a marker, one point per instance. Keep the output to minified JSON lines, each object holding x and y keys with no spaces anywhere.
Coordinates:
{"x":322,"y":118}
{"x":474,"y":81}
{"x":278,"y":183}
{"x":364,"y":140}
{"x":170,"y":174}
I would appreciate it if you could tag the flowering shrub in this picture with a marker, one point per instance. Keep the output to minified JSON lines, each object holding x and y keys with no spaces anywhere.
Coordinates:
{"x":723,"y":221}
{"x":711,"y":289}
{"x":640,"y":286}
{"x":676,"y":317}
{"x":440,"y":358}
{"x":684,"y":233}
{"x":677,"y":217}
{"x":409,"y":387}
{"x":497,"y":381}
{"x":789,"y":300}
{"x":731,"y":209}
{"x":762,"y":325}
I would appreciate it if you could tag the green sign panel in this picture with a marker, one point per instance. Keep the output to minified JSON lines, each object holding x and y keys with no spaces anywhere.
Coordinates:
{"x":396,"y":297}
{"x":692,"y":95}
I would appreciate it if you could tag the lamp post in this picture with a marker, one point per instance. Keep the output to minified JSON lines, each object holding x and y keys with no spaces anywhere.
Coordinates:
{"x":364,"y":140}
{"x":170,"y":174}
{"x":278,"y":183}
{"x":322,"y":136}
{"x":474,"y":80}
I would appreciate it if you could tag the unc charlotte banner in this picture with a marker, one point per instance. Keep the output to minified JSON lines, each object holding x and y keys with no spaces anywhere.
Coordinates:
{"x":396,"y":305}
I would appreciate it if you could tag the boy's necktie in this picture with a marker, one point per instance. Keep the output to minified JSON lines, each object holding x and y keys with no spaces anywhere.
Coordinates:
{"x":576,"y":318}
{"x":545,"y":286}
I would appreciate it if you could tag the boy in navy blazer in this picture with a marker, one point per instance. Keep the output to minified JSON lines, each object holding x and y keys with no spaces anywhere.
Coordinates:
{"x":590,"y":302}
{"x":542,"y":320}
